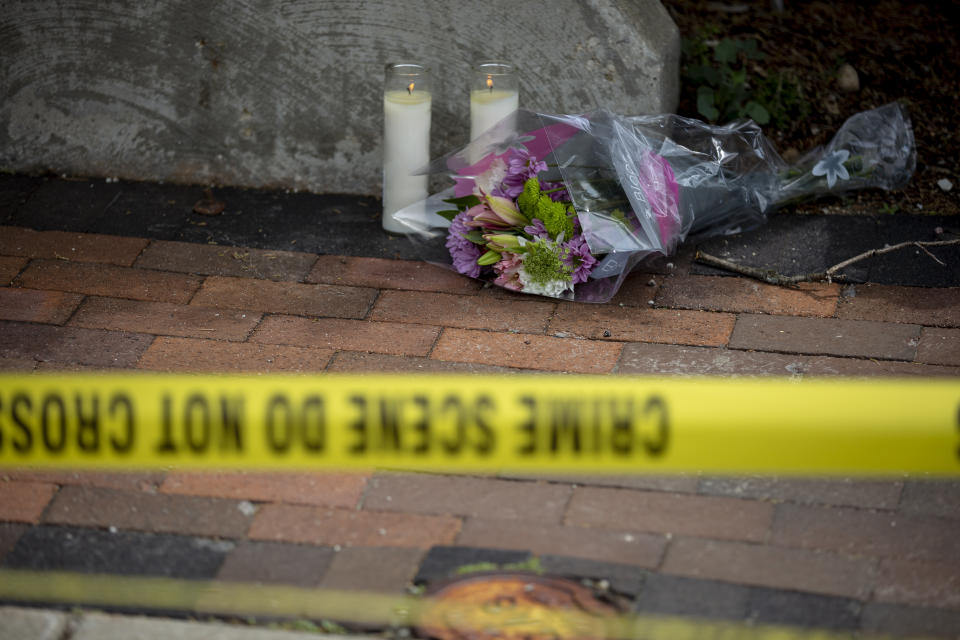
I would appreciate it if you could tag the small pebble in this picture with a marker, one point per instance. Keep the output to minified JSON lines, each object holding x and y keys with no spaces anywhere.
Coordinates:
{"x":652,"y":283}
{"x":944,"y":184}
{"x":848,"y":79}
{"x":606,"y":334}
{"x":651,"y":302}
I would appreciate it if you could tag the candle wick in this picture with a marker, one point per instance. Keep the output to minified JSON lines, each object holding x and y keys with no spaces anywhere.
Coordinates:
{"x":410,"y":88}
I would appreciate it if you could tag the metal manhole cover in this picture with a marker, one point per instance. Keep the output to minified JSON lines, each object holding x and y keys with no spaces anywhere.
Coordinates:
{"x":514,"y":606}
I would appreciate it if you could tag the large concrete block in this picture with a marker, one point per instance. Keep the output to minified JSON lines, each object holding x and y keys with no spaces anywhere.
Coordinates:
{"x":288,"y":93}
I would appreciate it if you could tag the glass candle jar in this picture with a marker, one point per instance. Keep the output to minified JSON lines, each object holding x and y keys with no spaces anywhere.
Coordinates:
{"x":494,"y":95}
{"x":406,"y":138}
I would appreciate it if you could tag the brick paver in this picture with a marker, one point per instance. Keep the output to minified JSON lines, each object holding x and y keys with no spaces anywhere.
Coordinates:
{"x":213,"y":356}
{"x":276,"y":562}
{"x":671,"y":359}
{"x":909,"y":305}
{"x":141,"y":511}
{"x":465,"y":312}
{"x":742,"y":295}
{"x":376,"y":569}
{"x":71,"y":345}
{"x":355,"y":335}
{"x":164,"y":318}
{"x":475,"y":497}
{"x":75,"y":247}
{"x":389,"y":274}
{"x":858,"y":338}
{"x":527,"y":351}
{"x":322,"y":489}
{"x":642,"y":325}
{"x":932,"y":497}
{"x":639,"y":549}
{"x":24,"y":501}
{"x":187,"y":257}
{"x":939,"y":346}
{"x":317,"y":525}
{"x":701,"y":516}
{"x":109,"y":280}
{"x":122,"y":480}
{"x":930,"y":583}
{"x":359,"y":362}
{"x":285,"y":297}
{"x":844,"y":492}
{"x":864,"y":532}
{"x":10,"y":267}
{"x":745,"y":563}
{"x":29,"y":305}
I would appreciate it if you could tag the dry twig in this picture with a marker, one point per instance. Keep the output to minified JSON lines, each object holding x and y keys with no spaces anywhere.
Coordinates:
{"x":830,"y":275}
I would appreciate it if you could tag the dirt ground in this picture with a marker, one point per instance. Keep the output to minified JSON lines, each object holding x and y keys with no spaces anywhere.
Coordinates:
{"x":901,"y":51}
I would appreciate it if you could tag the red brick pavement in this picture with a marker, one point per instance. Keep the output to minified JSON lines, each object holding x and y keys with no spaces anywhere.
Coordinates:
{"x":74,"y":301}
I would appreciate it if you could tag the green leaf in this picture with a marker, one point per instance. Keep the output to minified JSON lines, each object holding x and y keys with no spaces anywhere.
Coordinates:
{"x":757,"y":111}
{"x":726,"y":51}
{"x":475,"y":236}
{"x":449,"y":214}
{"x":751,"y":49}
{"x":705,"y":104}
{"x":712,"y":75}
{"x":464,"y":202}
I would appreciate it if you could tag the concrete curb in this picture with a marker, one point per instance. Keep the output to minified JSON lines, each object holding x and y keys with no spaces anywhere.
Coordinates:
{"x":20,"y":623}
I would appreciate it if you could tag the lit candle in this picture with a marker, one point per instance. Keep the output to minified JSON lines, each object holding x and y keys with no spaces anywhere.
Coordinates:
{"x":406,"y":139}
{"x":493,"y":95}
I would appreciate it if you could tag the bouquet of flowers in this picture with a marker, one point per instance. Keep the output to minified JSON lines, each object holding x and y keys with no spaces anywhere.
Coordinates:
{"x":520,"y":227}
{"x":566,"y":206}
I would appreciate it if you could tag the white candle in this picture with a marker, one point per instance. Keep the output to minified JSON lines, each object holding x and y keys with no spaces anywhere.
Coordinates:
{"x":490,"y":106}
{"x":406,"y":148}
{"x":494,"y":95}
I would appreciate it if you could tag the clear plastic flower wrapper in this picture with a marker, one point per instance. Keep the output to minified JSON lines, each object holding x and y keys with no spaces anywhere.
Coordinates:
{"x":567,"y":205}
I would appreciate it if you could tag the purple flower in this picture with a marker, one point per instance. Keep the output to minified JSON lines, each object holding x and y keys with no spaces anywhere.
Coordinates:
{"x":536,"y":229}
{"x":520,"y":168}
{"x":463,"y":252}
{"x":556,"y":196}
{"x":578,"y":257}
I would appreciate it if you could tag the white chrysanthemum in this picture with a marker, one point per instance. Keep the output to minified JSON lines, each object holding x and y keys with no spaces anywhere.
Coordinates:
{"x":551,"y":288}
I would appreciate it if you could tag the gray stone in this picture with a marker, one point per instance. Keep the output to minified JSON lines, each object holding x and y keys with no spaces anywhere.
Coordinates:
{"x":907,"y":621}
{"x":792,"y":608}
{"x":110,"y":627}
{"x":289,"y":94}
{"x":689,"y":597}
{"x":17,"y":623}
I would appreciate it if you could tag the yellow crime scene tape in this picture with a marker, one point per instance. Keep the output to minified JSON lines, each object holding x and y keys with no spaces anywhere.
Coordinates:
{"x":479,"y":423}
{"x":502,"y":620}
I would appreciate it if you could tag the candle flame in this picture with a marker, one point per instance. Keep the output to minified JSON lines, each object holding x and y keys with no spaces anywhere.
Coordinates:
{"x":410,"y":88}
{"x":490,"y":82}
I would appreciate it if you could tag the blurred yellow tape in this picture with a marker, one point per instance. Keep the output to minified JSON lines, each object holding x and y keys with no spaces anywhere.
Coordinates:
{"x":481,"y":423}
{"x":364,"y":608}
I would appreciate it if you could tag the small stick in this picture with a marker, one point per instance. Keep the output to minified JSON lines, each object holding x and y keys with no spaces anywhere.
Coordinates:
{"x":830,"y":275}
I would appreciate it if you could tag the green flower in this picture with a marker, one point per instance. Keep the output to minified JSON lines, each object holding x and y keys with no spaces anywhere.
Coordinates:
{"x":542,"y":263}
{"x":556,"y":216}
